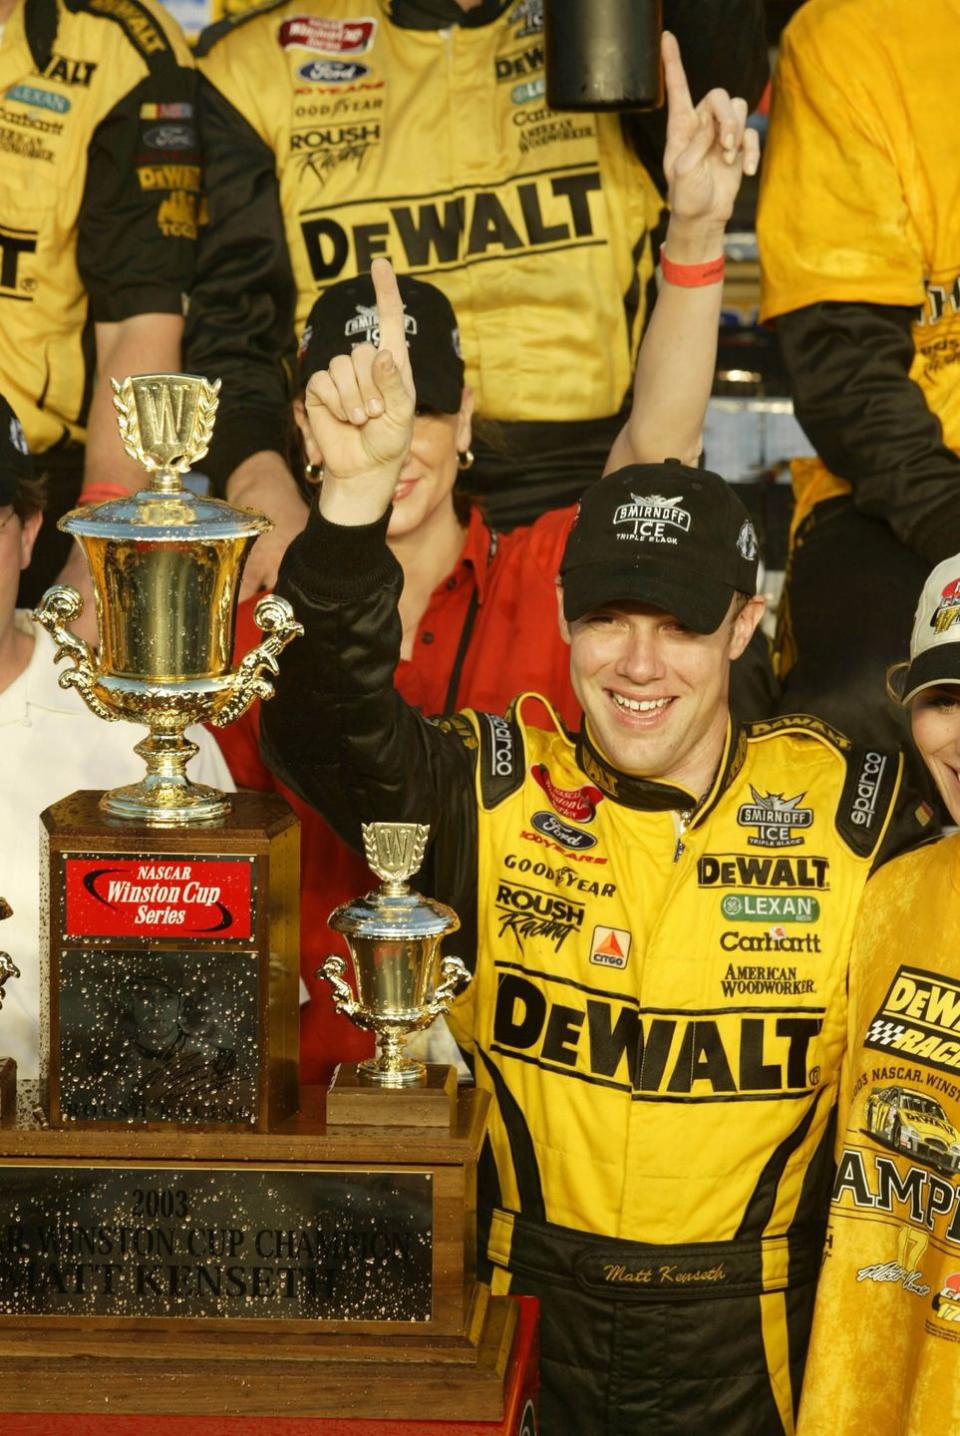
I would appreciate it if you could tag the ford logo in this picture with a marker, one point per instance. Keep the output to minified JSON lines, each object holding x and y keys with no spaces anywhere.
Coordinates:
{"x":171,"y":137}
{"x":332,"y":72}
{"x":551,"y":827}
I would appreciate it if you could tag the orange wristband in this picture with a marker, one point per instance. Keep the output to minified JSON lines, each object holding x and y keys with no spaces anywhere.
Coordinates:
{"x":97,"y":493}
{"x":691,"y":276}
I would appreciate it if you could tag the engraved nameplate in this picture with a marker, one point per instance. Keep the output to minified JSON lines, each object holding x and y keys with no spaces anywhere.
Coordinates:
{"x":262,"y":1244}
{"x":158,"y":1036}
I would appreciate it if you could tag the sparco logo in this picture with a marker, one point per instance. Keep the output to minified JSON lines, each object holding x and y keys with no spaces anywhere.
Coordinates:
{"x":864,"y":808}
{"x":529,"y":912}
{"x":775,"y":818}
{"x":501,"y":747}
{"x":739,"y":870}
{"x":550,"y":825}
{"x":649,"y":518}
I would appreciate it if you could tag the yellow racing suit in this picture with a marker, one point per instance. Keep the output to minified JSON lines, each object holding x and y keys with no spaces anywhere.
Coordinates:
{"x":657,"y":1009}
{"x":339,"y":131}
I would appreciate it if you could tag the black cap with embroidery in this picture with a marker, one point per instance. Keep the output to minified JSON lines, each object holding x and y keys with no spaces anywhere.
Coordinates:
{"x":15,"y":461}
{"x":346,"y":315}
{"x":676,"y":538}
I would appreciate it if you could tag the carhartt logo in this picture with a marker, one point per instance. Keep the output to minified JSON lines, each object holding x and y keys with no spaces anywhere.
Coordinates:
{"x":648,"y":518}
{"x":610,"y":946}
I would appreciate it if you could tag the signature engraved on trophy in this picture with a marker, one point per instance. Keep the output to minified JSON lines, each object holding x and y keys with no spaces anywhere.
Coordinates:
{"x":394,"y":937}
{"x":8,"y":967}
{"x":166,"y":567}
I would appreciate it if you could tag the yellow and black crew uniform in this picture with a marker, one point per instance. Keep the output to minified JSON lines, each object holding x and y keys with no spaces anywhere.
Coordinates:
{"x":99,"y":185}
{"x":418,"y":130}
{"x":658,"y":1003}
{"x":860,"y":251}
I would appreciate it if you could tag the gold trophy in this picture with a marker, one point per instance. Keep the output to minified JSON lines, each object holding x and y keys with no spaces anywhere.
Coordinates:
{"x":166,"y":568}
{"x":394,"y":935}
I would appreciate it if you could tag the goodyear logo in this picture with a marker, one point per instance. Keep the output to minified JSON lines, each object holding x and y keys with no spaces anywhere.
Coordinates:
{"x":681,"y":1056}
{"x":920,"y":1017}
{"x":772,"y":907}
{"x":740,"y":870}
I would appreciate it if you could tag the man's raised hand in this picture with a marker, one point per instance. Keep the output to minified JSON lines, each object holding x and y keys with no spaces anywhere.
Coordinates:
{"x":708,"y":146}
{"x":361,"y":409}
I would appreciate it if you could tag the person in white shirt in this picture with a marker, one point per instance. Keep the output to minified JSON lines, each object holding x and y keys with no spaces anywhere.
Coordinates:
{"x":51,"y":745}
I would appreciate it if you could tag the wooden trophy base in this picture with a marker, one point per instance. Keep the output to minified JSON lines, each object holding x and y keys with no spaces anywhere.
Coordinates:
{"x":354,"y":1101}
{"x":312,"y":1270}
{"x":171,"y":958}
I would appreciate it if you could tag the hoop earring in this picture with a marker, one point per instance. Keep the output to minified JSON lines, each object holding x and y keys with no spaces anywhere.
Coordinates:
{"x":466,"y":460}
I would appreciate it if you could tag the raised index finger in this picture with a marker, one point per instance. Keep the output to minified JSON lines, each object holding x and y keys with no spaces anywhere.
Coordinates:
{"x":389,"y":309}
{"x":679,"y":101}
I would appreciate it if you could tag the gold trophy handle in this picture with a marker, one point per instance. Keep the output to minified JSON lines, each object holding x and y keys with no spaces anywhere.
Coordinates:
{"x":454,"y":978}
{"x":58,"y":607}
{"x":275,"y":618}
{"x":333,"y":968}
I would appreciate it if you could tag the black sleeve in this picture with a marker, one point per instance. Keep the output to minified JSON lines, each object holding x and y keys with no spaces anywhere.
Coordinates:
{"x":722,"y":43}
{"x":138,"y":216}
{"x":849,"y":365}
{"x":240,"y":321}
{"x":339,"y":734}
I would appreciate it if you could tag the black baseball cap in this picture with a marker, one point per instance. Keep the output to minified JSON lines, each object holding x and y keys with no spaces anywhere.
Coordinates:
{"x":346,"y":315}
{"x":15,"y":461}
{"x":674,"y":537}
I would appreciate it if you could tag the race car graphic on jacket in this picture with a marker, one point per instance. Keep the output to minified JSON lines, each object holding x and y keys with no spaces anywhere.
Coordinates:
{"x":912,"y":1122}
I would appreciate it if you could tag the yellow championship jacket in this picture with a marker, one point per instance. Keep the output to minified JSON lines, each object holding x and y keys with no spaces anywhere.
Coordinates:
{"x":435,"y":147}
{"x":98,"y":192}
{"x":861,"y":188}
{"x":659,"y":1012}
{"x":883,"y":1356}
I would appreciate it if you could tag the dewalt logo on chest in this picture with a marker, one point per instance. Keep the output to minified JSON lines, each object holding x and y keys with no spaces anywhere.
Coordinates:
{"x":683,"y":1056}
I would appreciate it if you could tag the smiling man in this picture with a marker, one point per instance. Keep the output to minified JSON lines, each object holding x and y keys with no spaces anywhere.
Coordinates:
{"x":656,"y":1014}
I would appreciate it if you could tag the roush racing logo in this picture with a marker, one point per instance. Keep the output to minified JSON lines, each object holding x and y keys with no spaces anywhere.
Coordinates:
{"x":775,"y":818}
{"x":578,"y":805}
{"x":328,"y":37}
{"x":530,"y":912}
{"x":649,"y":518}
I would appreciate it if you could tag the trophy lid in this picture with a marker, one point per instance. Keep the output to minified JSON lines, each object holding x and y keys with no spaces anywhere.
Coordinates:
{"x":397,"y":917}
{"x":153,"y":517}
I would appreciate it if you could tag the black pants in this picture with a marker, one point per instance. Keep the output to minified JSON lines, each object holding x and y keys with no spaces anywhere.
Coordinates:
{"x":639,"y":1340}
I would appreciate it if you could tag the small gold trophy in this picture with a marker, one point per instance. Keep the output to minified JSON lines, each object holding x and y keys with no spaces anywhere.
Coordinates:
{"x":166,"y":567}
{"x":394,"y":935}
